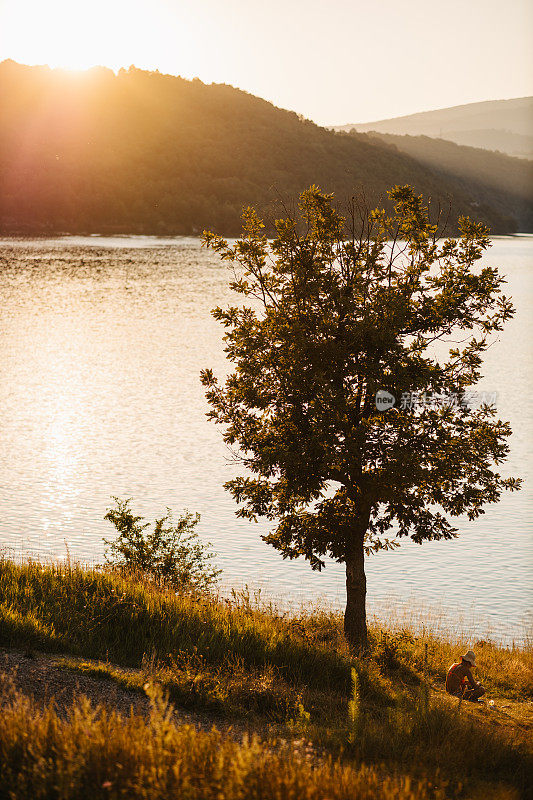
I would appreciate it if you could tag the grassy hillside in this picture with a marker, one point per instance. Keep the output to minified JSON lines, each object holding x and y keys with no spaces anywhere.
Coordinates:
{"x":326,"y":723}
{"x":505,"y":182}
{"x":505,"y":125}
{"x":141,"y":152}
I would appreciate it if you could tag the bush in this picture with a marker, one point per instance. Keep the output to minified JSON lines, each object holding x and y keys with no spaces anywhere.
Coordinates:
{"x":389,"y":650}
{"x":171,"y":553}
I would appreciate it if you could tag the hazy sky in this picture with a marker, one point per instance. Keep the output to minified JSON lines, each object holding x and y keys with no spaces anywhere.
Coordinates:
{"x":335,"y":61}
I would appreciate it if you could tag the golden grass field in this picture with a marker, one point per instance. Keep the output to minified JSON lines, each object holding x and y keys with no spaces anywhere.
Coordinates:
{"x":114,"y":687}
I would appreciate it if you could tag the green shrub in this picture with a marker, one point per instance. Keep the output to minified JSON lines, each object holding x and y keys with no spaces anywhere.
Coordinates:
{"x":171,"y":553}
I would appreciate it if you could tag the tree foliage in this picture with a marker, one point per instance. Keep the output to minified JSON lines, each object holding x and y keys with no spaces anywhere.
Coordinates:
{"x":340,"y":308}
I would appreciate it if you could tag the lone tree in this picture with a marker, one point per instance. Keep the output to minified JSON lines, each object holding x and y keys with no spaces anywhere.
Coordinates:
{"x":342,"y":314}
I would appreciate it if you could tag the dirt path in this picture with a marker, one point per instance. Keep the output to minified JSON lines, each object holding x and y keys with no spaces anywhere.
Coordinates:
{"x":45,"y":677}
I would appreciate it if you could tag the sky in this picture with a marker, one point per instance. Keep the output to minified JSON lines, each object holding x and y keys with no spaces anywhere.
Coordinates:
{"x":334,"y":61}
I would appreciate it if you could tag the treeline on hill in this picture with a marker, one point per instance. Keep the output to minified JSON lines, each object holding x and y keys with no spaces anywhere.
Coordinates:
{"x":142,"y":152}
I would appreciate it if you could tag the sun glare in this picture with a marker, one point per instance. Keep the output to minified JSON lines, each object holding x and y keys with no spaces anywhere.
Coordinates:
{"x":76,"y":36}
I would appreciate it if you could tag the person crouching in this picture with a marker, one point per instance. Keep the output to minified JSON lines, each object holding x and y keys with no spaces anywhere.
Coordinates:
{"x":460,"y":681}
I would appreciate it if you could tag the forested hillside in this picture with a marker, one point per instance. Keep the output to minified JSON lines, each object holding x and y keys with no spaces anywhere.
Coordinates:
{"x":504,"y":182}
{"x":142,"y":152}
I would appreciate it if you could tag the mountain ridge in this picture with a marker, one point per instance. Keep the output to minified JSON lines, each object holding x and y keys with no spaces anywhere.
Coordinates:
{"x":143,"y":152}
{"x":489,"y":173}
{"x":505,"y":125}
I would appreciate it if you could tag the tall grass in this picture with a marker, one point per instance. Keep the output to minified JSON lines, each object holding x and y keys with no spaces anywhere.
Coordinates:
{"x":236,"y":657}
{"x":94,"y":753}
{"x":229,"y":690}
{"x":507,"y":671}
{"x":433,"y":738}
{"x":103,"y":615}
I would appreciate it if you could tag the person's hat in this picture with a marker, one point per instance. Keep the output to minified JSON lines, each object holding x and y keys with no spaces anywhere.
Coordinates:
{"x":471,"y":657}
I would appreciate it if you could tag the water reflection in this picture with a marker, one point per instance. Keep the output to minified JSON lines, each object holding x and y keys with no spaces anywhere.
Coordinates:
{"x":101,"y":344}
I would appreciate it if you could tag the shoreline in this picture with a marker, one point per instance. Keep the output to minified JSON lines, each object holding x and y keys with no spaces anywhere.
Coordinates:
{"x":44,"y":235}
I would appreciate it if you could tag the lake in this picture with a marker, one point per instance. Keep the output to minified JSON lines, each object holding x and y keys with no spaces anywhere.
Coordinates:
{"x":101,"y":344}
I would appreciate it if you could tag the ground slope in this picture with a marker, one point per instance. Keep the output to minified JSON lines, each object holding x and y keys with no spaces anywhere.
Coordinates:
{"x":376,"y":726}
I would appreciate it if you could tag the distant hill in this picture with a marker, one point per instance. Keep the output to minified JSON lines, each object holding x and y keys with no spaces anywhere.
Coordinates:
{"x":504,"y":125}
{"x":142,"y":152}
{"x":504,"y":182}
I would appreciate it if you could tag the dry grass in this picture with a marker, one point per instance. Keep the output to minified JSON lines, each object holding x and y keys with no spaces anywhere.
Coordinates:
{"x":229,"y":690}
{"x":291,"y":674}
{"x":505,"y":671}
{"x":96,"y":753}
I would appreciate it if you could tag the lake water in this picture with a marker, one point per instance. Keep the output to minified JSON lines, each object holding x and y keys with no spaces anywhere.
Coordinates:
{"x":101,"y":344}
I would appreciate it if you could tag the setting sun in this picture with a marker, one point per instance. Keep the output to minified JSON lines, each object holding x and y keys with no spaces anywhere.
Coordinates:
{"x":330,"y":62}
{"x":76,"y":36}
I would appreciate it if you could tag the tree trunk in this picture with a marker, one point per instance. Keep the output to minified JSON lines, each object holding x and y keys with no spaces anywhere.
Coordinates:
{"x":355,"y":615}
